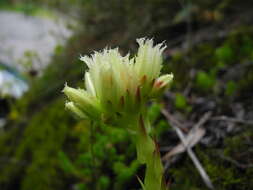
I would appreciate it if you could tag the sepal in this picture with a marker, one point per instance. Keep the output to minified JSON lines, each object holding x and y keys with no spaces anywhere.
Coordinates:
{"x":71,"y":106}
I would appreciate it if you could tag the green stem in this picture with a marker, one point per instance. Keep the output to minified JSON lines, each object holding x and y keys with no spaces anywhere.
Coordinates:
{"x":148,"y":154}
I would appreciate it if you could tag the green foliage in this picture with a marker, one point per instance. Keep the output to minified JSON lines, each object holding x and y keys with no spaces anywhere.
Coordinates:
{"x":106,"y":151}
{"x":224,"y":53}
{"x":160,"y":125}
{"x":204,"y":81}
{"x":58,"y":50}
{"x":154,"y":111}
{"x":66,"y":164}
{"x":180,"y":101}
{"x":37,"y":151}
{"x":124,"y":173}
{"x":214,"y":167}
{"x":238,"y":47}
{"x":98,"y":151}
{"x":28,"y":8}
{"x":103,"y":182}
{"x":27,"y":60}
{"x":220,"y":164}
{"x":245,"y":83}
{"x":231,"y":88}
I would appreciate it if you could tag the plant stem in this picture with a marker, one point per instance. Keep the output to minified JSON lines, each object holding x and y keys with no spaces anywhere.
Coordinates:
{"x":148,"y":154}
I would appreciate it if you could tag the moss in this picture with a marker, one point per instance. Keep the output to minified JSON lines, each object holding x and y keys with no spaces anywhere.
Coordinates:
{"x":205,"y":82}
{"x":231,"y":88}
{"x":36,"y":153}
{"x":224,"y":53}
{"x":28,"y":8}
{"x":237,"y":147}
{"x":226,"y":167}
{"x":95,"y":155}
{"x":180,"y":101}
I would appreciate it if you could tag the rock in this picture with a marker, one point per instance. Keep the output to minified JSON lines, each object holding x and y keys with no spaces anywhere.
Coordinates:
{"x":28,"y":42}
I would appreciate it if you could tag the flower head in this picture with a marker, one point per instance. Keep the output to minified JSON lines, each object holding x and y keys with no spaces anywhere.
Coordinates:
{"x":116,"y":84}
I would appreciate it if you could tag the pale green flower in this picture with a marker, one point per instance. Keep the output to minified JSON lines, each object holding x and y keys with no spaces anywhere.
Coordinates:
{"x":116,"y":84}
{"x":148,"y":62}
{"x":117,"y":89}
{"x":82,"y":101}
{"x":71,"y":106}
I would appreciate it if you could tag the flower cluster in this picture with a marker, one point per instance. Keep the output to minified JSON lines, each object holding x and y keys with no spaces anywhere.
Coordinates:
{"x":117,"y":89}
{"x":118,"y":85}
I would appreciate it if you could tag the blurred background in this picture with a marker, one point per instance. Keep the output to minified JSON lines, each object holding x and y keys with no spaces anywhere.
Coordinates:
{"x":209,"y":50}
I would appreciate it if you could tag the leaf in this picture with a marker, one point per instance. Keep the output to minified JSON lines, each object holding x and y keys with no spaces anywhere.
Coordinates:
{"x":66,"y":164}
{"x":142,"y":185}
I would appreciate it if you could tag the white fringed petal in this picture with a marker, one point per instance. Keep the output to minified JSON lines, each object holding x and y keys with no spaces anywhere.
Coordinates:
{"x":118,"y":84}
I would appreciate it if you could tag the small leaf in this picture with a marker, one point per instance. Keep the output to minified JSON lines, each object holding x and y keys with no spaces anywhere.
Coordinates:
{"x":142,"y":185}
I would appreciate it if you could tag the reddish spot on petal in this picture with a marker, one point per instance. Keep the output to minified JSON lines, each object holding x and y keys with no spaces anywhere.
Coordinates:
{"x":128,"y":93}
{"x":158,"y":84}
{"x":143,"y":79}
{"x":142,"y":125}
{"x":157,"y":148}
{"x":153,"y":82}
{"x":122,"y":101}
{"x":138,"y":94}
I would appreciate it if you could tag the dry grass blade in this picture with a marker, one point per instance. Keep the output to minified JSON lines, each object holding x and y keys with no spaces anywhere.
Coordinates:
{"x":234,"y":120}
{"x":194,"y":158}
{"x":191,"y":140}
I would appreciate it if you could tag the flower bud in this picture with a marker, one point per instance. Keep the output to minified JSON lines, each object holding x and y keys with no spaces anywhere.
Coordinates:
{"x":119,"y":85}
{"x":71,"y":106}
{"x":161,"y":84}
{"x":148,"y":61}
{"x":81,"y":99}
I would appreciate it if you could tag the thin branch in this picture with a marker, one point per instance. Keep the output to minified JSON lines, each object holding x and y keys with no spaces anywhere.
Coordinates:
{"x":234,"y":120}
{"x":191,"y":139}
{"x":194,"y":158}
{"x":236,"y":163}
{"x":202,"y":120}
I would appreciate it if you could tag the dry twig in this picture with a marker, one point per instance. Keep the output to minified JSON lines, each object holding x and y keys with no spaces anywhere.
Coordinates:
{"x":234,"y":120}
{"x":236,"y":163}
{"x":191,"y":140}
{"x":175,"y":124}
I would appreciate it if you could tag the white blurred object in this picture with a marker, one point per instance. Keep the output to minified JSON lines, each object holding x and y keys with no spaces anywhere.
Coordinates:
{"x":11,"y":83}
{"x":22,"y":34}
{"x":2,"y":122}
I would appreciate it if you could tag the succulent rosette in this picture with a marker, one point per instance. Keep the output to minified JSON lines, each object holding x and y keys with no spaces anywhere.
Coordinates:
{"x":116,"y":85}
{"x":117,"y":89}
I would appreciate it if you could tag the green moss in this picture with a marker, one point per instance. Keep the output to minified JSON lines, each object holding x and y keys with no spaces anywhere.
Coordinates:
{"x":224,"y":53}
{"x":204,"y":81}
{"x":36,"y":152}
{"x":220,"y":164}
{"x":28,"y":8}
{"x":245,"y":84}
{"x":180,"y":101}
{"x":231,"y":88}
